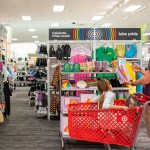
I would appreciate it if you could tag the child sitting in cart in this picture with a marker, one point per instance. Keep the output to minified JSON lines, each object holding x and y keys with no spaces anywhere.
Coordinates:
{"x":106,"y":97}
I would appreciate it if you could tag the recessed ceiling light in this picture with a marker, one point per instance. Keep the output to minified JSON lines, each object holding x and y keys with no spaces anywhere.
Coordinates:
{"x":106,"y":25}
{"x":54,"y":24}
{"x":31,"y":30}
{"x":14,"y":39}
{"x":146,"y":34}
{"x":35,"y":37}
{"x":125,"y":1}
{"x":26,"y":18}
{"x":132,"y":8}
{"x":58,"y":8}
{"x":120,"y":5}
{"x":36,"y":41}
{"x":97,"y":18}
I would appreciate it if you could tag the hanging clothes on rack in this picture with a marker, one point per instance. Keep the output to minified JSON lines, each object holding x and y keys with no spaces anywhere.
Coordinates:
{"x":80,"y":57}
{"x":106,"y":54}
{"x":7,"y":95}
{"x":77,"y":50}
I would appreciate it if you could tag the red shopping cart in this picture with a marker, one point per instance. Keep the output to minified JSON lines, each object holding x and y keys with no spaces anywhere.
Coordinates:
{"x":108,"y":126}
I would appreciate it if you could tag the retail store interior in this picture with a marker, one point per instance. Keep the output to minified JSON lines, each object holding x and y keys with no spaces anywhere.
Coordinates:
{"x":74,"y":75}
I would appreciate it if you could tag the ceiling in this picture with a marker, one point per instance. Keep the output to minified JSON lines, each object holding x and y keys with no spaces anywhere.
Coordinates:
{"x":78,"y":11}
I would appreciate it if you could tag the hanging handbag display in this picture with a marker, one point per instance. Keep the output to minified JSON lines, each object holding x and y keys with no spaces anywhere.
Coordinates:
{"x":54,"y":103}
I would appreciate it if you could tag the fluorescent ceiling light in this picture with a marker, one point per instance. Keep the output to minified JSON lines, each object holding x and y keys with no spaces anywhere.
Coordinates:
{"x":97,"y":18}
{"x":125,"y":18}
{"x":54,"y":24}
{"x":26,"y":18}
{"x":146,"y":34}
{"x":139,"y":10}
{"x":58,"y":8}
{"x":132,"y":8}
{"x":31,"y":30}
{"x":14,"y":39}
{"x":106,"y":25}
{"x":36,"y":41}
{"x":35,"y":37}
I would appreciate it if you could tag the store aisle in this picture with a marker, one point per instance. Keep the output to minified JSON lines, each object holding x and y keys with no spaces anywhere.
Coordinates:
{"x":24,"y":131}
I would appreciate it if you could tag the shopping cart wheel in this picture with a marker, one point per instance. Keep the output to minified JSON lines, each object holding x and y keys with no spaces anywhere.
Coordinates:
{"x":62,"y":143}
{"x":133,"y":148}
{"x":107,"y":147}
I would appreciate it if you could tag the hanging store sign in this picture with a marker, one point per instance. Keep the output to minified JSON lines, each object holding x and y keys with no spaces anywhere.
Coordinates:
{"x":97,"y":34}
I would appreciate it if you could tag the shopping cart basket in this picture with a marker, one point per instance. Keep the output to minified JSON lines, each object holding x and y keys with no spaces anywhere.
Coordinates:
{"x":108,"y":126}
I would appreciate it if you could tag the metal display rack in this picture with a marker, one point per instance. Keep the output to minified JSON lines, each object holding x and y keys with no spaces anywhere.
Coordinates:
{"x":34,"y":94}
{"x":96,"y":37}
{"x":3,"y":73}
{"x":52,"y":63}
{"x":64,"y":114}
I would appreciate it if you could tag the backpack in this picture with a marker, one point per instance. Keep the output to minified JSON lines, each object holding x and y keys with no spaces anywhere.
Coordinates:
{"x":66,"y":51}
{"x":52,"y":51}
{"x":59,"y":52}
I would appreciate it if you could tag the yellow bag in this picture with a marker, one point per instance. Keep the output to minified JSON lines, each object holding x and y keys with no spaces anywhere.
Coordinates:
{"x":1,"y":117}
{"x":120,"y":50}
{"x":130,"y":71}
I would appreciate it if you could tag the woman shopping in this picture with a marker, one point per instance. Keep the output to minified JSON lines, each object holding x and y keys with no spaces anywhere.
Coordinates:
{"x":145,"y":80}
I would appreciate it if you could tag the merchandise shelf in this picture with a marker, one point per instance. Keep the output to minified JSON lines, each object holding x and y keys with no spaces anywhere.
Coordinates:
{"x":95,"y":88}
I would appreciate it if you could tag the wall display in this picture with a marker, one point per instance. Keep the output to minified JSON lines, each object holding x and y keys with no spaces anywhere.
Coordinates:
{"x":95,"y":34}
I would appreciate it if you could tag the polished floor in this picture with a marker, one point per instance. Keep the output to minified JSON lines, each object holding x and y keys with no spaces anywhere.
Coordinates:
{"x":24,"y":131}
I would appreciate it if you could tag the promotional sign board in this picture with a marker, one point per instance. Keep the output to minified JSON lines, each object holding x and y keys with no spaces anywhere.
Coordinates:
{"x":95,"y":34}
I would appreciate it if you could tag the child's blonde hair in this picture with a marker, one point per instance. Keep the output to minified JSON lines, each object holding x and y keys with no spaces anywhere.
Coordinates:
{"x":103,"y":86}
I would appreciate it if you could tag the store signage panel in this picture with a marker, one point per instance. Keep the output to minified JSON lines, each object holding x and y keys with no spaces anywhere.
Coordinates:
{"x":60,"y":34}
{"x":128,"y":34}
{"x":97,"y":34}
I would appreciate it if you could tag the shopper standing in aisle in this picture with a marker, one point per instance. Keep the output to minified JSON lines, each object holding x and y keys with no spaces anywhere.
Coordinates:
{"x":145,"y":80}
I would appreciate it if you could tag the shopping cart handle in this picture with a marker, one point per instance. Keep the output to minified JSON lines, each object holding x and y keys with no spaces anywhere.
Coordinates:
{"x":141,"y":97}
